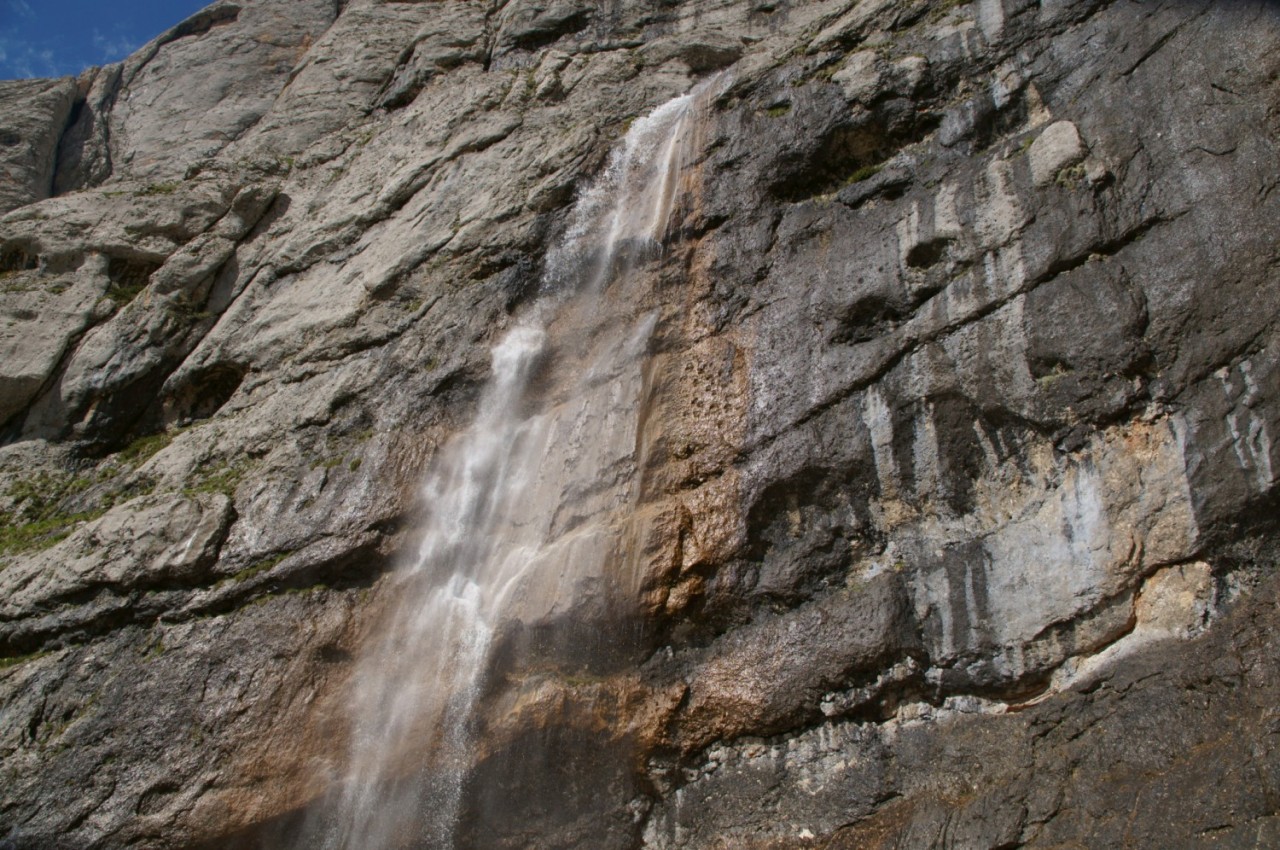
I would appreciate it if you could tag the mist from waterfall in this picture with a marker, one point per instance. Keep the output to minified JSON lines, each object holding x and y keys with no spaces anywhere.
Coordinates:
{"x":506,"y":537}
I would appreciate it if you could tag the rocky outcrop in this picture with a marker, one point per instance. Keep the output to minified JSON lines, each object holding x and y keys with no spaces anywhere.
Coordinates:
{"x":954,"y":521}
{"x":35,"y":112}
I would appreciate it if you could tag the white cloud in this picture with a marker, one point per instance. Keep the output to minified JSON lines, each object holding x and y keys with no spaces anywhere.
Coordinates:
{"x":114,"y":47}
{"x":21,"y":8}
{"x":21,"y":61}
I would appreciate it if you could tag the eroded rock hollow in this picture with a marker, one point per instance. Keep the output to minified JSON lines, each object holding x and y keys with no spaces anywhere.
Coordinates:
{"x":884,"y":458}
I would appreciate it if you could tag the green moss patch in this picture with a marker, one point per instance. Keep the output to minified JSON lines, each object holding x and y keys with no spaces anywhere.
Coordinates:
{"x":260,"y":567}
{"x":153,"y":189}
{"x":14,"y":661}
{"x":38,"y":517}
{"x":143,"y":448}
{"x":41,"y":534}
{"x":222,"y":478}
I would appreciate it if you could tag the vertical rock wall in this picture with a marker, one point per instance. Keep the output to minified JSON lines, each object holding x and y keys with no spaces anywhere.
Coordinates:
{"x":956,"y":523}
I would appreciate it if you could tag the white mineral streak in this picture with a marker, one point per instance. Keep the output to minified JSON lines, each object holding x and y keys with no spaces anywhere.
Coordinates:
{"x":495,"y":547}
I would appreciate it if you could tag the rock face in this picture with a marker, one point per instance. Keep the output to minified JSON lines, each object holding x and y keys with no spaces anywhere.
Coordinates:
{"x":957,"y":500}
{"x":35,"y":113}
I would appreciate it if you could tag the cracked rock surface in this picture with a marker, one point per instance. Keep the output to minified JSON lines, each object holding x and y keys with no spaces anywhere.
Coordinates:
{"x":958,"y":517}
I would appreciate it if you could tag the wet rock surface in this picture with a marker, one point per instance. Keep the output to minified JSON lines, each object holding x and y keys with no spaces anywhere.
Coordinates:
{"x":956,"y":523}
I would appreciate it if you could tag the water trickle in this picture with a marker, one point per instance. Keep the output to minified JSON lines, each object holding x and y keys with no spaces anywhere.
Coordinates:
{"x":625,"y":213}
{"x":513,"y":531}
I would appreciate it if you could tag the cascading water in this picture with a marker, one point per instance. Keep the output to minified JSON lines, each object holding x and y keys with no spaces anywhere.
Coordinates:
{"x":508,"y":537}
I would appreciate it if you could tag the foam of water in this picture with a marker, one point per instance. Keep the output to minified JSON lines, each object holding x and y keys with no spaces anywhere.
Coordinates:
{"x":494,"y":546}
{"x":629,"y":205}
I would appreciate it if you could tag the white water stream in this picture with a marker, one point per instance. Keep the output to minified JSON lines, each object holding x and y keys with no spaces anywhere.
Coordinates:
{"x":506,"y":536}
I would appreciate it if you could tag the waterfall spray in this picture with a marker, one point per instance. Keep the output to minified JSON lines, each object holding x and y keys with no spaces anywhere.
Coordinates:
{"x":495,"y":546}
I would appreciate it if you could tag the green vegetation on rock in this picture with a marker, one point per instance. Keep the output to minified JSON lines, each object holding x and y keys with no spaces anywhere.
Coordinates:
{"x":39,"y":516}
{"x":153,"y":189}
{"x":222,"y":477}
{"x":142,"y":449}
{"x":260,"y":567}
{"x":14,"y":661}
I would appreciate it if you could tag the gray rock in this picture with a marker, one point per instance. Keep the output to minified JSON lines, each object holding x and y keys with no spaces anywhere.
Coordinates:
{"x":84,"y":151}
{"x":35,"y":114}
{"x":40,"y":315}
{"x":164,"y":121}
{"x":859,"y":78}
{"x":148,"y":542}
{"x":1057,"y":148}
{"x":941,"y":494}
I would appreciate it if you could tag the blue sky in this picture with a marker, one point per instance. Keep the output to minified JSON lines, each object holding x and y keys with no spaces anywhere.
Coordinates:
{"x":53,"y":38}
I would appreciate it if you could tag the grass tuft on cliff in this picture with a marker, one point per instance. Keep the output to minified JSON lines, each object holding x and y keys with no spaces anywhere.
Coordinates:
{"x":38,"y":516}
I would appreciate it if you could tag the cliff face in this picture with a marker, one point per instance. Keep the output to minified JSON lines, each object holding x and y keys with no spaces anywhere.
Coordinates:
{"x":951,"y":490}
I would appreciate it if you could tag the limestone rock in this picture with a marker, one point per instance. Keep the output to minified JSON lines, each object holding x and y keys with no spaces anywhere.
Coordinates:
{"x":937,"y":491}
{"x":1058,"y":147}
{"x":859,"y":79}
{"x":41,"y":315}
{"x":146,"y":544}
{"x":35,"y":113}
{"x":84,"y":152}
{"x":164,"y":121}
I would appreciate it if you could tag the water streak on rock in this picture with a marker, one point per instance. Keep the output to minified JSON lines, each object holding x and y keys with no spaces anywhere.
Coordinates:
{"x":497,"y":547}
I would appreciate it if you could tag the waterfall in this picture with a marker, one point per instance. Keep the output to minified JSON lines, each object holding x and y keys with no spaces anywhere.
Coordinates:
{"x":509,"y":534}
